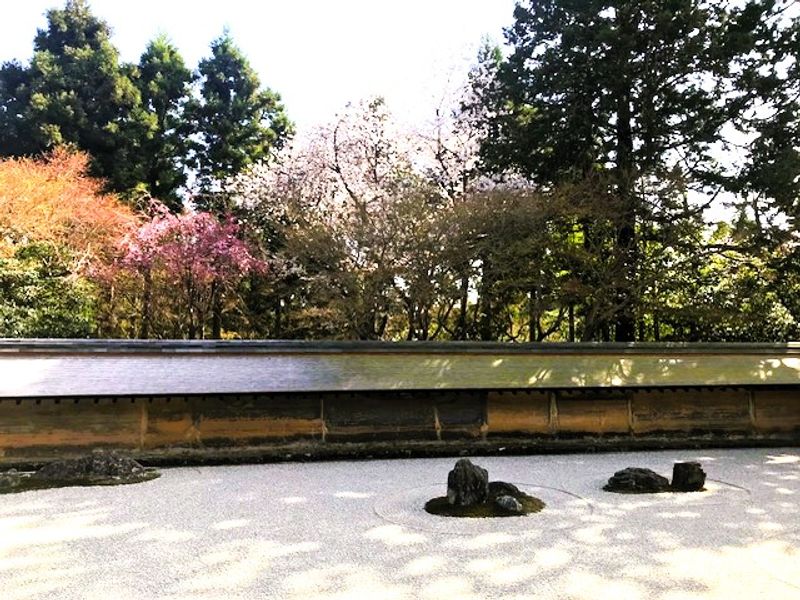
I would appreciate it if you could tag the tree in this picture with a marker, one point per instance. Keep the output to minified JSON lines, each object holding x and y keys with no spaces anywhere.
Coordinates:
{"x":351,"y":220}
{"x":425,"y":282}
{"x":453,"y":162}
{"x":769,"y":82}
{"x":460,"y":129}
{"x":40,"y":295}
{"x":57,"y":230}
{"x":195,"y":257}
{"x":74,"y":92}
{"x":17,"y":133}
{"x":620,"y":88}
{"x":54,"y":200}
{"x":154,"y":148}
{"x":234,"y":122}
{"x":767,"y":185}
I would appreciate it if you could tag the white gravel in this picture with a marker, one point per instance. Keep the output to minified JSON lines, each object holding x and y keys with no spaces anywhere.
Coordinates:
{"x":357,"y":530}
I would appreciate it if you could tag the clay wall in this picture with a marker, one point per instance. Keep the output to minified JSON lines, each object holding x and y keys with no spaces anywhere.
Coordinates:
{"x":314,"y":424}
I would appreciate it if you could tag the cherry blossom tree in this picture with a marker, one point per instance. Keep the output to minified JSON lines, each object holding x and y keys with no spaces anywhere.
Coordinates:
{"x":192,"y":255}
{"x":337,"y":210}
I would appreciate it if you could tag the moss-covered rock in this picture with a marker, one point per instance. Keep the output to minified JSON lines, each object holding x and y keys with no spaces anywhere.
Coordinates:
{"x":490,"y":508}
{"x":95,"y":469}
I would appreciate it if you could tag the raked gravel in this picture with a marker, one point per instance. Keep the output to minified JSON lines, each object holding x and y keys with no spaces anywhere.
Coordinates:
{"x":357,"y":530}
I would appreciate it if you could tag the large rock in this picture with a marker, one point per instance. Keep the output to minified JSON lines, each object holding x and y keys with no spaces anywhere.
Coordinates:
{"x":467,"y":484}
{"x":688,"y":477}
{"x":635,"y":480}
{"x":508,"y":504}
{"x":87,"y":468}
{"x":502,"y":488}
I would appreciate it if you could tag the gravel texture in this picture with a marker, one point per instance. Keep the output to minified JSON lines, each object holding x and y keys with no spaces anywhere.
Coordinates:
{"x":358,"y":530}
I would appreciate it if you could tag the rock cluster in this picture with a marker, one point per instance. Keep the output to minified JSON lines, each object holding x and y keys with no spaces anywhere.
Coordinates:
{"x":501,"y":488}
{"x":9,"y":481}
{"x":94,"y":466}
{"x":686,"y":477}
{"x":469,"y":485}
{"x":94,"y":469}
{"x":471,"y":494}
{"x":508,"y":504}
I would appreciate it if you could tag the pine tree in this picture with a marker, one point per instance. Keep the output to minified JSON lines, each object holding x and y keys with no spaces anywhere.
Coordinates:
{"x":73,"y":92}
{"x":16,"y":134}
{"x":155,"y":145}
{"x":632,"y":92}
{"x":234,"y":122}
{"x":770,"y":79}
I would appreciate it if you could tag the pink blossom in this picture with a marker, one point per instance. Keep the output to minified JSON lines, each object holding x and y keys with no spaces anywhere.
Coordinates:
{"x":192,"y":244}
{"x":195,"y":254}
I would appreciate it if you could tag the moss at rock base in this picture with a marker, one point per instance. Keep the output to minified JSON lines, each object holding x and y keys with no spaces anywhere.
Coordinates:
{"x":94,"y":469}
{"x":13,"y":483}
{"x":441,"y":507}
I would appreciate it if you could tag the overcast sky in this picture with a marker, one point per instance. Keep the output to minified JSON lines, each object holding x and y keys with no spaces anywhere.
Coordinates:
{"x":318,"y":54}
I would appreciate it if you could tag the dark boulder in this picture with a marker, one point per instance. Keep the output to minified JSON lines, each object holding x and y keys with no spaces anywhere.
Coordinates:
{"x":467,"y":484}
{"x":688,"y":477}
{"x":635,"y":480}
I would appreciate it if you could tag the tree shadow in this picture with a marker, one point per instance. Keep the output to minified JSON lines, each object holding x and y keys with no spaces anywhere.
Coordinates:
{"x":311,"y":531}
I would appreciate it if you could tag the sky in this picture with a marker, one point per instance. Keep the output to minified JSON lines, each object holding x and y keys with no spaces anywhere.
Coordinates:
{"x":317,"y":54}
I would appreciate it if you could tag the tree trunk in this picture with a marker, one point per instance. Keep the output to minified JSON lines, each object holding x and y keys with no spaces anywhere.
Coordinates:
{"x":533,"y":317}
{"x":278,"y":319}
{"x":485,"y":303}
{"x":571,"y":322}
{"x":192,"y":305}
{"x":625,"y":325}
{"x":192,"y":326}
{"x":461,"y":328}
{"x":216,"y":310}
{"x":147,"y":300}
{"x":381,"y":330}
{"x":411,"y":320}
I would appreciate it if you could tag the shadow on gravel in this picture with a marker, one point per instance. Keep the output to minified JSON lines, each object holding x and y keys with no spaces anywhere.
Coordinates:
{"x":290,"y":532}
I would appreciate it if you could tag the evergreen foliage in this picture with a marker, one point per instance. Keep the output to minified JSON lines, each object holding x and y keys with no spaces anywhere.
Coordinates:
{"x":638,"y":93}
{"x":155,"y":147}
{"x":73,"y":92}
{"x":41,"y":297}
{"x":234,"y":122}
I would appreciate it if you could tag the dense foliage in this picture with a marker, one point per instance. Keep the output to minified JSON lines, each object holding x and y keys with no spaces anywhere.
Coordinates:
{"x":141,"y":124}
{"x":619,"y":170}
{"x":56,"y":225}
